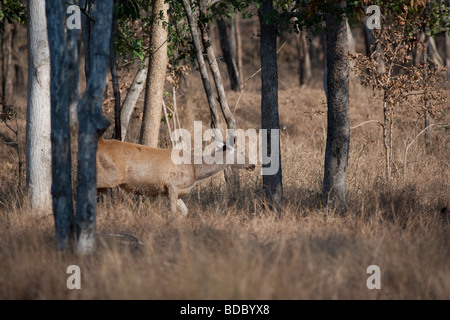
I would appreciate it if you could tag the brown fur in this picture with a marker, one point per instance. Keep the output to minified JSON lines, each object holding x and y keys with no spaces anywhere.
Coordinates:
{"x":150,"y":171}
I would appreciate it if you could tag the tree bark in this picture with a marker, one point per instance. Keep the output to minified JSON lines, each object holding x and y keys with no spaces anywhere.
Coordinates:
{"x":131,"y":99}
{"x":72,"y":37}
{"x":338,"y":129}
{"x":305,"y":73}
{"x":7,"y":64}
{"x":227,"y":55}
{"x":237,"y":28}
{"x":426,"y":32}
{"x":156,"y":75}
{"x":38,"y":127}
{"x":61,"y":170}
{"x":115,"y":79}
{"x":272,"y":184}
{"x":86,"y":27}
{"x":447,"y":54}
{"x":92,"y":125}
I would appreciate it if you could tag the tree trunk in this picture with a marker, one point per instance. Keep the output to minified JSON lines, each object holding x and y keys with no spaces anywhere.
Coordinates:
{"x":231,"y":176}
{"x":87,"y":26}
{"x":447,"y":46}
{"x":61,"y":171}
{"x":227,"y":55}
{"x":156,"y":75}
{"x":237,"y":28}
{"x":7,"y":64}
{"x":131,"y":99}
{"x":304,"y":60}
{"x":115,"y":80}
{"x":211,"y":56}
{"x":426,"y":32}
{"x":272,"y":184}
{"x":447,"y":54}
{"x":214,"y":114}
{"x":73,"y":50}
{"x":92,"y":125}
{"x":338,"y":130}
{"x":38,"y":127}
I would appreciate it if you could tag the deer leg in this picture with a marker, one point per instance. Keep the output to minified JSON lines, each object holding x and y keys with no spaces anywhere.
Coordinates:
{"x":173,"y":197}
{"x":182,"y":206}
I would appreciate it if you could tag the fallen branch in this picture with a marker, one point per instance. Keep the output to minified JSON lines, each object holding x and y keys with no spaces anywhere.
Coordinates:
{"x":123,"y":236}
{"x":369,"y":121}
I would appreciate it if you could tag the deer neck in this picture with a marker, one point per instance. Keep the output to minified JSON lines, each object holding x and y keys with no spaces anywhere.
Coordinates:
{"x":204,"y":170}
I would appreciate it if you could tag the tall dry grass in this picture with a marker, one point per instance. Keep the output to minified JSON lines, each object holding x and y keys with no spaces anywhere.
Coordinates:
{"x":229,"y":248}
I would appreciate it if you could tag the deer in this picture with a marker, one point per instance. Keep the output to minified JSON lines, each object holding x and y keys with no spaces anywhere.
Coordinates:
{"x":150,"y":171}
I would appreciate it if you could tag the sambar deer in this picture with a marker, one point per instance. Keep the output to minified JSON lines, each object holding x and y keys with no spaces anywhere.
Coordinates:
{"x":150,"y":171}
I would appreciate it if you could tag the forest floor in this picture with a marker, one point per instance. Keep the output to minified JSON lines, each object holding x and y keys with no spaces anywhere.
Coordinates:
{"x":228,"y":247}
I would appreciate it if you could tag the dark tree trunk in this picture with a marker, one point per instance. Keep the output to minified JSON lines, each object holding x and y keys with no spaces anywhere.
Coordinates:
{"x":92,"y":125}
{"x":87,"y":26}
{"x":115,"y":79}
{"x":72,"y":37}
{"x":338,"y":130}
{"x":304,"y":60}
{"x":60,"y":126}
{"x":227,"y":55}
{"x":272,"y":184}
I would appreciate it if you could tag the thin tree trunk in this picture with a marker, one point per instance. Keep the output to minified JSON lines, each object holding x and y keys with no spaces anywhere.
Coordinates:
{"x":231,"y":176}
{"x":210,"y":55}
{"x":369,"y":38}
{"x":156,"y":75}
{"x":115,"y":80}
{"x":425,"y":70}
{"x":232,"y":39}
{"x":304,"y":64}
{"x":215,"y":121}
{"x":387,"y":139}
{"x":447,"y":45}
{"x":351,"y":39}
{"x":237,"y":28}
{"x":87,"y":26}
{"x":38,"y":127}
{"x":338,"y":129}
{"x":227,"y":55}
{"x":131,"y":99}
{"x":7,"y":65}
{"x":447,"y":54}
{"x":61,"y":171}
{"x":272,"y":183}
{"x":92,"y":125}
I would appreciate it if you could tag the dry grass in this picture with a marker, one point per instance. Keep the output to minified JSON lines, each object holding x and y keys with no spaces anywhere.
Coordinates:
{"x":231,"y":248}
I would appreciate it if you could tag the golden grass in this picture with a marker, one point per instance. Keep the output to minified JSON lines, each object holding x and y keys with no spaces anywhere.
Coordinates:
{"x":231,"y":248}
